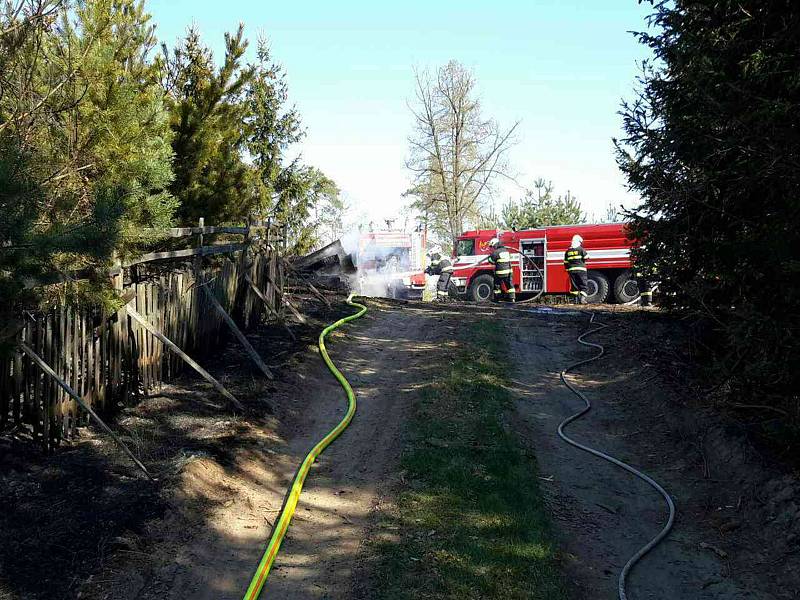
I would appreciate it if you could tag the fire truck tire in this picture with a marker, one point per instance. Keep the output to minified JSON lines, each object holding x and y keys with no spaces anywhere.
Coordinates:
{"x":598,"y":287}
{"x":625,"y":288}
{"x":481,"y":288}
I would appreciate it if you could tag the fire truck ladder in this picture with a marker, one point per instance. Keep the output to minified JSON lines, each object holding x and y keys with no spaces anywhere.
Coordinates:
{"x":644,"y":477}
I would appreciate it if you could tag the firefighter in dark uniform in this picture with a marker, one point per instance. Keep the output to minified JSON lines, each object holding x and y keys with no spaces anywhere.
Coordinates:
{"x":644,"y":280}
{"x":442,"y":266}
{"x":503,"y":274}
{"x":575,"y":264}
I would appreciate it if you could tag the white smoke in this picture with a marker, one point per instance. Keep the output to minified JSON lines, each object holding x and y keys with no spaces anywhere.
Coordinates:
{"x":374,"y":285}
{"x":379,"y":268}
{"x":349,"y":242}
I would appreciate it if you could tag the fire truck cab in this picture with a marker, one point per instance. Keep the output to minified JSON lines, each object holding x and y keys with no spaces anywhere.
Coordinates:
{"x":538,"y":261}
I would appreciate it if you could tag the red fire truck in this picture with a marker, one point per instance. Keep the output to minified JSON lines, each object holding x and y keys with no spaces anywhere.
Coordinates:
{"x":538,"y":261}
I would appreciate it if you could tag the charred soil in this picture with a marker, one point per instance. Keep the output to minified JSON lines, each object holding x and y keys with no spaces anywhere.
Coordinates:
{"x":84,"y":522}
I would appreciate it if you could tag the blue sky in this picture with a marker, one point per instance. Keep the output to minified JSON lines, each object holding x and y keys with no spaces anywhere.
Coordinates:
{"x":560,"y":67}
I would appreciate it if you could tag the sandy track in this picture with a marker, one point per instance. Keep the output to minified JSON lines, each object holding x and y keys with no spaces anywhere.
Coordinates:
{"x":383,"y":356}
{"x":208,"y":546}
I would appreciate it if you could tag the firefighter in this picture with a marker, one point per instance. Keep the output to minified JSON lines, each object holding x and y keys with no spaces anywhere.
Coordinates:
{"x":645,"y":282}
{"x":503,"y":279}
{"x":575,"y":264}
{"x":440,"y":265}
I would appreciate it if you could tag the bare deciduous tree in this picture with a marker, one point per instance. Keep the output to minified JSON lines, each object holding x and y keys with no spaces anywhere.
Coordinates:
{"x":456,"y":153}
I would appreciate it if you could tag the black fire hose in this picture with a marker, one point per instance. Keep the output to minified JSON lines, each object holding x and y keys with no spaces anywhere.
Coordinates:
{"x":644,"y":477}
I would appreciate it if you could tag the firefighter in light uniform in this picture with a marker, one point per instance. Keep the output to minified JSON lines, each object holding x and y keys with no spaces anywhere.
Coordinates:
{"x":503,"y":279}
{"x":442,"y":266}
{"x":575,"y":264}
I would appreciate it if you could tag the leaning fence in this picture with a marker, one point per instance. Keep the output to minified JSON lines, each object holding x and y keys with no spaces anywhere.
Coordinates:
{"x":113,"y":358}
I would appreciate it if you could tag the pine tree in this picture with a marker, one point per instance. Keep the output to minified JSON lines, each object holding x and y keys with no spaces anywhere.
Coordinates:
{"x":85,"y":140}
{"x":711,"y":145}
{"x":540,"y":209}
{"x":287,"y":191}
{"x":121,"y":128}
{"x":273,"y":129}
{"x":208,"y":117}
{"x":302,"y":191}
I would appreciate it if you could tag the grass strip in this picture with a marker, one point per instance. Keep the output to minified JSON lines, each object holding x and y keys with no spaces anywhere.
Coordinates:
{"x":470,"y":520}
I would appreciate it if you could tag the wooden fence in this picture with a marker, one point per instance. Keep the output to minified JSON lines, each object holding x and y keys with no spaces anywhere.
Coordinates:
{"x":111,"y":358}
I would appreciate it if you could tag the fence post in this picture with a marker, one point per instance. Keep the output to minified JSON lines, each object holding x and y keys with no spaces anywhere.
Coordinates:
{"x":122,"y":343}
{"x":198,"y":259}
{"x":239,"y":308}
{"x":239,"y":335}
{"x":197,"y":326}
{"x":115,"y":347}
{"x":192,"y":363}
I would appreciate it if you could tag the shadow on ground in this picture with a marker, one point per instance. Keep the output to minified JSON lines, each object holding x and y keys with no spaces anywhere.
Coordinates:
{"x":66,"y":518}
{"x":84,"y":520}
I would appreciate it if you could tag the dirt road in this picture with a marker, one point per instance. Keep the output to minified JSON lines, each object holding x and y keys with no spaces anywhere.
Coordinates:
{"x":384,"y":355}
{"x":604,"y":514}
{"x":201,"y":531}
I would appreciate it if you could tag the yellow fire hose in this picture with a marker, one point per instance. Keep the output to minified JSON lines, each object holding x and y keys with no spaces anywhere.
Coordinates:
{"x":279,"y":531}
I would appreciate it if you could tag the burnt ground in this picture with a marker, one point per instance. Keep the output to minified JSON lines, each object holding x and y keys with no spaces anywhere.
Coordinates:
{"x":67,"y":519}
{"x":84,"y":523}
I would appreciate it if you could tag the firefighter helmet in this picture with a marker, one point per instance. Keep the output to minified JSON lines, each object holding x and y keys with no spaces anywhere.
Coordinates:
{"x":576,"y":240}
{"x":494,"y":242}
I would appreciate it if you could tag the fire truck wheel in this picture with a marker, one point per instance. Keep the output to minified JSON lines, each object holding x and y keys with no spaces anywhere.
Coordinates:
{"x":481,"y":288}
{"x":625,"y":288}
{"x":597,"y":287}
